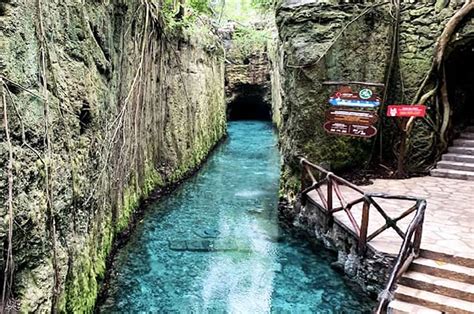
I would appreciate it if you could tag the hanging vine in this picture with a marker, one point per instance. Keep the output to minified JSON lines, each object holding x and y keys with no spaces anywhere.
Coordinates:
{"x":436,"y":77}
{"x":48,"y":154}
{"x":9,"y":263}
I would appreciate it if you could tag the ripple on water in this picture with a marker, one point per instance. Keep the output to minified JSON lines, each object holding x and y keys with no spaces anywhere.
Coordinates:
{"x":214,"y":246}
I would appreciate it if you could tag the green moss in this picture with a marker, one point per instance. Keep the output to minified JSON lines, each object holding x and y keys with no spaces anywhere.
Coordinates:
{"x":82,"y":287}
{"x":290,"y":183}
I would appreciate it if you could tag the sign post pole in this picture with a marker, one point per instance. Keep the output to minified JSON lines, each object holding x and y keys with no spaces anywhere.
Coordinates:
{"x":406,"y":113}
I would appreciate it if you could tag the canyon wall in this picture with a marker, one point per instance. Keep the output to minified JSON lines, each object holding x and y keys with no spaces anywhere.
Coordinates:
{"x":321,"y":41}
{"x":104,"y":104}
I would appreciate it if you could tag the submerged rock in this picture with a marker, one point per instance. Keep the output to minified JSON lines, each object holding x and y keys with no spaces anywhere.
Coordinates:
{"x":207,"y":233}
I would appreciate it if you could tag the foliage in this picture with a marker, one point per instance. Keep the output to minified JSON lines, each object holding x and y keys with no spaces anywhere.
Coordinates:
{"x":263,"y":5}
{"x":192,"y":9}
{"x":242,"y":11}
{"x":248,"y":40}
{"x":199,"y":6}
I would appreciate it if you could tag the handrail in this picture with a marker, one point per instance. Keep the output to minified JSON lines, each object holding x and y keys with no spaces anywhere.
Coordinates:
{"x":405,"y":257}
{"x":410,"y":247}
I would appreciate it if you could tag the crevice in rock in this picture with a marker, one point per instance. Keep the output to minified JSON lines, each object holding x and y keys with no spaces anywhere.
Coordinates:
{"x":85,"y":117}
{"x":460,"y":80}
{"x":249,"y":103}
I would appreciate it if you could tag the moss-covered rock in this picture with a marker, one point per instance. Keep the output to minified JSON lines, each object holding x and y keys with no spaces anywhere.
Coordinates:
{"x":310,"y":50}
{"x":132,"y":107}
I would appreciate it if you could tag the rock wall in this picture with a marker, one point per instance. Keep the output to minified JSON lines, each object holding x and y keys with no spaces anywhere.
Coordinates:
{"x":370,"y":271}
{"x":321,"y":41}
{"x":103,"y":104}
{"x":421,"y":24}
{"x":247,"y":72}
{"x":333,"y":41}
{"x":255,"y":72}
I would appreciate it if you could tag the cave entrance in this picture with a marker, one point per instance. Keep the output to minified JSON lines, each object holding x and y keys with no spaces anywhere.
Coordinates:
{"x":460,"y":82}
{"x":249,"y":102}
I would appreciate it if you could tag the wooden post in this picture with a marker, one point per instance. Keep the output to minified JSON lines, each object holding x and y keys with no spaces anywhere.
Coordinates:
{"x":417,"y":240}
{"x":402,"y":151}
{"x":303,"y":175}
{"x":364,"y":227}
{"x":329,"y":199}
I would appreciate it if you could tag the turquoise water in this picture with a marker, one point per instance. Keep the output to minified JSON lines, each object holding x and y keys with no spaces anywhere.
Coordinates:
{"x":214,"y":245}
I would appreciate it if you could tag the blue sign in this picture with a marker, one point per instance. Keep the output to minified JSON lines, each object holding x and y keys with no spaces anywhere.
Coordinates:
{"x":354,"y":102}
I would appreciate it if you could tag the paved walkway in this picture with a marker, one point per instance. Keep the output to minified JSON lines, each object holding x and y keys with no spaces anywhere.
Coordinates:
{"x":449,"y":217}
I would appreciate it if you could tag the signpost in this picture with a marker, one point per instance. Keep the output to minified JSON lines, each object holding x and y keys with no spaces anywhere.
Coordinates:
{"x":355,"y":121}
{"x":354,"y":103}
{"x":351,"y":116}
{"x":406,"y":111}
{"x":350,"y":129}
{"x":346,"y":97}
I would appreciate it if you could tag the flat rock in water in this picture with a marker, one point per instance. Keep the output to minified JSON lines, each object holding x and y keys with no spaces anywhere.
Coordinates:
{"x":255,"y":211}
{"x":177,"y":245}
{"x":200,"y":245}
{"x":207,"y":233}
{"x":225,"y":245}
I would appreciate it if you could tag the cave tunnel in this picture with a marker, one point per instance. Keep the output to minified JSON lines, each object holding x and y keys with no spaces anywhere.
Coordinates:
{"x":460,"y":82}
{"x":249,"y":102}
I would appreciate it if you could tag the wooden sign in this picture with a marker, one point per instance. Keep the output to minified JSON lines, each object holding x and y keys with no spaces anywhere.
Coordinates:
{"x":406,"y":111}
{"x":351,"y":116}
{"x":350,"y":129}
{"x":346,"y":97}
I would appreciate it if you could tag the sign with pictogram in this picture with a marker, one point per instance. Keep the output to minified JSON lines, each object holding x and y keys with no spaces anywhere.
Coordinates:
{"x":346,"y":97}
{"x":350,"y":129}
{"x":365,"y":93}
{"x":406,"y":111}
{"x":351,"y":116}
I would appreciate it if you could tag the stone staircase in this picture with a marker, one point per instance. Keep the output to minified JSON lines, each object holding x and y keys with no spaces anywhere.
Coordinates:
{"x":435,"y":283}
{"x":458,"y":163}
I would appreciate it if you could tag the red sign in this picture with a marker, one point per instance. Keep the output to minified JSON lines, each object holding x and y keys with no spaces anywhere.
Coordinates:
{"x":350,"y":129}
{"x":406,"y":111}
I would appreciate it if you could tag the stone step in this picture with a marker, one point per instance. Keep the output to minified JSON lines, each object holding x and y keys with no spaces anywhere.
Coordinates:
{"x":469,"y":129}
{"x":461,"y":150}
{"x":400,"y":307}
{"x":453,"y":174}
{"x":443,"y":286}
{"x":453,"y":165}
{"x":433,"y":300}
{"x":448,"y":258}
{"x":463,"y":143}
{"x":443,"y":269}
{"x":459,"y":158}
{"x":467,"y":135}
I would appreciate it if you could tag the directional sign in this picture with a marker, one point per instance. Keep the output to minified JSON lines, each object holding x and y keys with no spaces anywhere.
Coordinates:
{"x":346,"y":97}
{"x":406,"y":111}
{"x":350,"y":129}
{"x":351,"y":116}
{"x":354,"y":103}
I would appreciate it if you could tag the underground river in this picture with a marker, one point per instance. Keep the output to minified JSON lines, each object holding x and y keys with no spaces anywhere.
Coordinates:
{"x":214,"y":245}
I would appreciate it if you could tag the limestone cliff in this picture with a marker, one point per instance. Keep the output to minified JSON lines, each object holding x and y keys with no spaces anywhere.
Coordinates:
{"x":333,"y":41}
{"x":103,"y":104}
{"x":319,"y":42}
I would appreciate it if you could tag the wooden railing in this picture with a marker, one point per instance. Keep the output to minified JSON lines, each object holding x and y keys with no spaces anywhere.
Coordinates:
{"x":321,"y":179}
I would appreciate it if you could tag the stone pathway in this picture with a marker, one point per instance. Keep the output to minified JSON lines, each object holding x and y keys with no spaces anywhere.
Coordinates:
{"x":449,"y":217}
{"x":441,"y":280}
